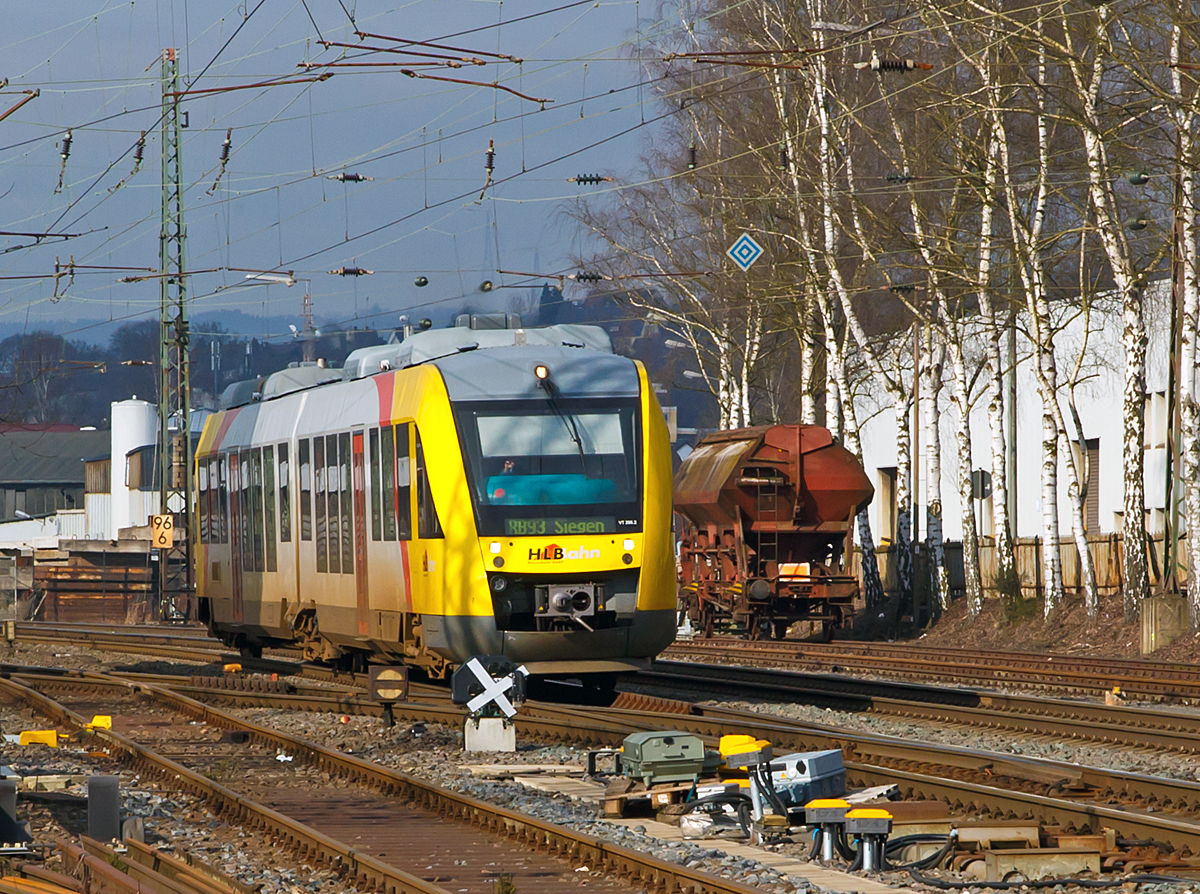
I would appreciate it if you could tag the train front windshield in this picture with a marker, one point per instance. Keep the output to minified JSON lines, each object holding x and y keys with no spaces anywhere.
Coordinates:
{"x":553,"y":467}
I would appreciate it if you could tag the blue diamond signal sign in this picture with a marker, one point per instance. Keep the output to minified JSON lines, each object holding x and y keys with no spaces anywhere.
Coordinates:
{"x":745,"y":251}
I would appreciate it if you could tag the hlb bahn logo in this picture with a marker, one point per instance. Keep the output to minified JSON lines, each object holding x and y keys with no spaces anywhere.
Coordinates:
{"x":555,"y":553}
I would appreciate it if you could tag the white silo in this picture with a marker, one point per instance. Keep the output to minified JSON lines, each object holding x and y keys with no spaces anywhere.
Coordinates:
{"x":134,"y":425}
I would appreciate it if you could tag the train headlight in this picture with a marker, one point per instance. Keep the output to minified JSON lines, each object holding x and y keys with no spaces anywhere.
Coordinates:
{"x":499,"y":583}
{"x":495,"y":547}
{"x":628,"y":545}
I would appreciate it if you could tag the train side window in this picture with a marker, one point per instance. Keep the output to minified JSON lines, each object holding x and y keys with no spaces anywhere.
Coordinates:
{"x":285,"y":491}
{"x":403,"y":483}
{"x":428,"y":526}
{"x":202,"y":487}
{"x":347,"y":503}
{"x":305,"y":459}
{"x":376,"y":498}
{"x":388,"y":461}
{"x":245,"y":512}
{"x":222,"y":464}
{"x":268,"y":486}
{"x":332,"y":514}
{"x":319,"y":494}
{"x":256,"y":505}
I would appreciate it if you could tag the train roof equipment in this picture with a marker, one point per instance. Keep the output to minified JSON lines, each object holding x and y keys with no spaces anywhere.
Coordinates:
{"x":436,"y":345}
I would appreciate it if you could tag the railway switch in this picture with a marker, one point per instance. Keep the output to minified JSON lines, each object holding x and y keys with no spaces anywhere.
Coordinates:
{"x":827,"y":814}
{"x":871,"y":825}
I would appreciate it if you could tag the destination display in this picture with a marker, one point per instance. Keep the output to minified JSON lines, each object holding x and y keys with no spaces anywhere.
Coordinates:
{"x":534,"y":527}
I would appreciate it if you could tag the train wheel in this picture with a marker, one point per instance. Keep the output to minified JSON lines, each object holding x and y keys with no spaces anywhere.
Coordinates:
{"x":250,"y":651}
{"x":759,"y":628}
{"x":826,"y":634}
{"x":781,"y":629}
{"x":708,"y":620}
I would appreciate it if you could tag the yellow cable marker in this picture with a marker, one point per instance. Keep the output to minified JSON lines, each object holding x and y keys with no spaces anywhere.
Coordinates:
{"x":39,"y":737}
{"x":100,"y":721}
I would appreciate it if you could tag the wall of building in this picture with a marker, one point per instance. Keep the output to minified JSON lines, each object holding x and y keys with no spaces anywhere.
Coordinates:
{"x":1095,"y":345}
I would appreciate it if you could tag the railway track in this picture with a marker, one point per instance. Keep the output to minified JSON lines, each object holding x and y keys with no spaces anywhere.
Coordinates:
{"x":1053,"y":793}
{"x":462,"y":843}
{"x":1139,"y":726}
{"x":1046,"y":672}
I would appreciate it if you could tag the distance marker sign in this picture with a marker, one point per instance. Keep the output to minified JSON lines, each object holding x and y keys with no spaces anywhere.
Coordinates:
{"x":745,"y":251}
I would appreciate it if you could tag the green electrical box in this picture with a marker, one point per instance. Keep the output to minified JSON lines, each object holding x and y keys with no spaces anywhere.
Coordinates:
{"x":657,"y":757}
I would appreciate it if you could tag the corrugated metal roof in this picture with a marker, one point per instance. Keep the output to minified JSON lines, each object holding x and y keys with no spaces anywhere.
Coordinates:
{"x":28,"y":457}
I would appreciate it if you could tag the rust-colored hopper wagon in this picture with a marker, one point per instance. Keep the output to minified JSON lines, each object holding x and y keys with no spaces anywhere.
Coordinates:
{"x":767,"y":517}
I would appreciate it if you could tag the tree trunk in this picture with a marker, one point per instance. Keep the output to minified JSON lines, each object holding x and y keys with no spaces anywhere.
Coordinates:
{"x":972,"y":579}
{"x":902,"y":404}
{"x":939,"y":580}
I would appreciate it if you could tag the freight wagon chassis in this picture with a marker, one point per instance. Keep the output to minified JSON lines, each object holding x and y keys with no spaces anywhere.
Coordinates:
{"x":825,"y":600}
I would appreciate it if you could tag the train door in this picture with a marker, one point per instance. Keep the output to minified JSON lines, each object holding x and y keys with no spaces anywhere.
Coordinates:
{"x":358,"y":481}
{"x":235,"y":534}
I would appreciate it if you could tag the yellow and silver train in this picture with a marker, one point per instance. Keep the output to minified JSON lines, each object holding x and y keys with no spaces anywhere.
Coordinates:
{"x":467,"y":491}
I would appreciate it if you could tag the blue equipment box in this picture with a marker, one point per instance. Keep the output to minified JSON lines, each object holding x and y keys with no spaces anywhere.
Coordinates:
{"x":808,"y":775}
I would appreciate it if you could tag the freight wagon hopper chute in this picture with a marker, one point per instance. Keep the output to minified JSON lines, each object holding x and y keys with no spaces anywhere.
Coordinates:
{"x":767,"y":515}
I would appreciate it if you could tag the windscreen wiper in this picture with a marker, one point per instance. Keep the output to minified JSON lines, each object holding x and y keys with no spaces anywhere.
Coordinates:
{"x":568,"y":420}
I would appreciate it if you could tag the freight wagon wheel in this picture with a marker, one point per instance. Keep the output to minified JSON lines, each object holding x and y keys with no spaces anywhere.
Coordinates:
{"x":708,"y":620}
{"x":826,"y":634}
{"x":781,"y":629}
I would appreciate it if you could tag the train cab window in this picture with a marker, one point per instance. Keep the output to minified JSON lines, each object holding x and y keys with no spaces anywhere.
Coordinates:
{"x":319,"y":496}
{"x":268,"y":489}
{"x":256,"y":506}
{"x":332,"y":514}
{"x":403,"y":499}
{"x":285,"y":503}
{"x":387,"y":458}
{"x":428,"y":526}
{"x":222,"y":465}
{"x":202,"y":506}
{"x":347,"y":503}
{"x":305,"y":459}
{"x":376,"y":487}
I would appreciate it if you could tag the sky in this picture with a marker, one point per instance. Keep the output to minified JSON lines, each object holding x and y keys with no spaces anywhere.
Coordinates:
{"x":274,"y":207}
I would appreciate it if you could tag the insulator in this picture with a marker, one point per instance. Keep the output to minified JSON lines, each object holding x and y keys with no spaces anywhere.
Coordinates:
{"x":349,"y":178}
{"x":351,"y":271}
{"x":226,"y":145}
{"x":421,"y":282}
{"x":783,"y":159}
{"x":586,"y":276}
{"x":1138,"y":178}
{"x":898,"y":178}
{"x":1138,"y":223}
{"x":65,"y":151}
{"x":903,"y":288}
{"x":139,"y":151}
{"x":489,"y":162}
{"x":589,"y":179}
{"x":692,"y":156}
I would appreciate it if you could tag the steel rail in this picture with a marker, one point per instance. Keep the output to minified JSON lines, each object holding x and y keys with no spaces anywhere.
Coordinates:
{"x":1062,"y":718}
{"x":529,"y":832}
{"x":1048,"y":672}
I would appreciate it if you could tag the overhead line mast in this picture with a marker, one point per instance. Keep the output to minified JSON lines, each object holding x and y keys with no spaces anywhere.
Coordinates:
{"x":175,"y":448}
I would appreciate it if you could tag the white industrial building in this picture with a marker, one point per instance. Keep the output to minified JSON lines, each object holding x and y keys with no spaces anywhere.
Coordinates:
{"x":1099,"y":401}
